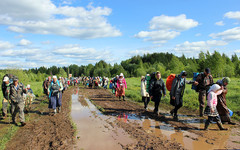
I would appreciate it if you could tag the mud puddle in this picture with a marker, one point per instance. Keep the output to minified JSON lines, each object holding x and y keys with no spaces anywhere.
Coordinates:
{"x":187,"y":139}
{"x":94,"y":130}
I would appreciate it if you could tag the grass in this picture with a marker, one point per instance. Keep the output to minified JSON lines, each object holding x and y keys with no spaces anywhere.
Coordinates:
{"x":8,"y":132}
{"x":6,"y":135}
{"x":190,"y":98}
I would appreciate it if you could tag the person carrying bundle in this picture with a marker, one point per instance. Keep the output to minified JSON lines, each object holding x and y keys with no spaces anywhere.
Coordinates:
{"x":211,"y":109}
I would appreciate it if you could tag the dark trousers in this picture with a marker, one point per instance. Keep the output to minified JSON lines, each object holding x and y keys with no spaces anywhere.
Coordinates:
{"x":176,"y":108}
{"x":157,"y":100}
{"x":202,"y":98}
{"x":145,"y":100}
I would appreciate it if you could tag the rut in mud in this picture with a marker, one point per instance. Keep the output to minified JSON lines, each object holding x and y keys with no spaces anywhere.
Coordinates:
{"x":44,"y":131}
{"x":149,"y":131}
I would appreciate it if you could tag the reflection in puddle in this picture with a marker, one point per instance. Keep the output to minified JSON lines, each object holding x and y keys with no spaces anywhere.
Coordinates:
{"x":187,"y":139}
{"x":92,"y":128}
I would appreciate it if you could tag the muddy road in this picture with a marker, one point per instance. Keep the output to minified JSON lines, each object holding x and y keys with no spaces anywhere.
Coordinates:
{"x":43,"y":130}
{"x":126,"y":125}
{"x":101,"y":121}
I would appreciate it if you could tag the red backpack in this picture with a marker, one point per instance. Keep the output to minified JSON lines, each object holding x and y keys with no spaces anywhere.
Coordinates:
{"x":169,"y":81}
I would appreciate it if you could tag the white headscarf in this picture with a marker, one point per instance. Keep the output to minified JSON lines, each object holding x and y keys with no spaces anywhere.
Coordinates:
{"x":214,"y":88}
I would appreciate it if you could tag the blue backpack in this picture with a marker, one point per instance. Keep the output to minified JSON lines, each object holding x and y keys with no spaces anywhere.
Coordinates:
{"x":195,"y":75}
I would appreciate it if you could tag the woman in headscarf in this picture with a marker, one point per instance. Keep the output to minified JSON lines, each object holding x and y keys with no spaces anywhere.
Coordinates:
{"x":121,"y":85}
{"x":177,"y":91}
{"x":145,"y":94}
{"x":211,"y":109}
{"x":222,"y":104}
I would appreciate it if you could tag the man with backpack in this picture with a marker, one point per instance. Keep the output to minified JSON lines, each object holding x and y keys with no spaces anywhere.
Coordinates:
{"x":203,"y":83}
{"x":17,"y":102}
{"x":53,"y":92}
{"x":156,"y":90}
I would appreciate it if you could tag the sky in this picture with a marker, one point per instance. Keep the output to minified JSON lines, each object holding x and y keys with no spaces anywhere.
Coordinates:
{"x":37,"y":33}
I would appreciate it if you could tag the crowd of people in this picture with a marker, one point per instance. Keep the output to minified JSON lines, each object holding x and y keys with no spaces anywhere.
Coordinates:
{"x":215,"y":93}
{"x":18,"y":96}
{"x":152,"y":88}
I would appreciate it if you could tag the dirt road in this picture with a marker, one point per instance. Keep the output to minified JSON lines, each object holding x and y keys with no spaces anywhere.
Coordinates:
{"x":131,"y":127}
{"x":119,"y":125}
{"x":44,"y":131}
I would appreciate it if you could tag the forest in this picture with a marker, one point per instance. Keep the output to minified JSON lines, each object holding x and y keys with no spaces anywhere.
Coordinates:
{"x":220,"y":64}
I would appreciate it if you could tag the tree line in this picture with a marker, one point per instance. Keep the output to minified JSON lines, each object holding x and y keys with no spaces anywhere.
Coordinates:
{"x":167,"y":63}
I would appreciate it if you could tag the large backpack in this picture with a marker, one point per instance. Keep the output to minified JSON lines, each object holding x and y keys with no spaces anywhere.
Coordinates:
{"x":149,"y":79}
{"x":195,"y":75}
{"x":169,"y":81}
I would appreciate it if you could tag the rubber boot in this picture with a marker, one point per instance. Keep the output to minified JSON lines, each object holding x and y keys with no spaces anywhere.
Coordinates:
{"x":119,"y":98}
{"x":123,"y":98}
{"x":171,"y":112}
{"x":59,"y":109}
{"x":207,"y":123}
{"x":221,"y":126}
{"x":55,"y":111}
{"x":201,"y":111}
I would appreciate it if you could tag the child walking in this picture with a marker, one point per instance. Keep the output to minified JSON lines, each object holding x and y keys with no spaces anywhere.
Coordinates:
{"x":211,"y":109}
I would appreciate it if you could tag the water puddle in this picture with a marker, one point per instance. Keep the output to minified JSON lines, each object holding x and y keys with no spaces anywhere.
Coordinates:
{"x":187,"y":139}
{"x":93,"y":130}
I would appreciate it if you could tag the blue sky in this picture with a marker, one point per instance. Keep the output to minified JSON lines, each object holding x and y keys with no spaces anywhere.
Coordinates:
{"x":63,"y":32}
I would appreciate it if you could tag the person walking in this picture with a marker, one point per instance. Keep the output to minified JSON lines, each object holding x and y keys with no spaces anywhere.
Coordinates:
{"x":53,"y":92}
{"x":177,"y":91}
{"x":203,"y":83}
{"x":211,"y":109}
{"x":59,"y":99}
{"x":46,"y":84}
{"x":157,"y":89}
{"x":144,"y":93}
{"x":17,"y":102}
{"x":222,"y":103}
{"x":29,"y":97}
{"x":121,"y":86}
{"x":6,"y":92}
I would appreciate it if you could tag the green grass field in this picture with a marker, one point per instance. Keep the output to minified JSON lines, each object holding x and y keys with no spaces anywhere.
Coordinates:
{"x":190,"y":98}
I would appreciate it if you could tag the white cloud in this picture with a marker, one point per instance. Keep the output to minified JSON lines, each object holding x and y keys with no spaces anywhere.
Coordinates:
{"x":19,"y":52}
{"x":87,"y":54}
{"x":161,"y":36}
{"x":196,"y":47}
{"x":219,"y":23}
{"x":233,"y":15}
{"x":237,"y":51}
{"x":139,"y":52}
{"x":228,"y":35}
{"x":179,"y":23}
{"x":5,"y":45}
{"x":164,"y":28}
{"x":43,"y":17}
{"x":24,"y":42}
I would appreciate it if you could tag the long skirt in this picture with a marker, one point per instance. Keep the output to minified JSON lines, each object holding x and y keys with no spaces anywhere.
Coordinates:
{"x":53,"y":102}
{"x":59,"y":100}
{"x":120,"y":91}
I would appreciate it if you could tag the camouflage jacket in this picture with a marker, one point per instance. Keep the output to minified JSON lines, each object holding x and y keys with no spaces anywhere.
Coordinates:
{"x":16,"y":93}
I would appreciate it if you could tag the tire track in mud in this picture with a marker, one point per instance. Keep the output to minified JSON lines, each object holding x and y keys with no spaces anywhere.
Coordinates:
{"x":147,"y":140}
{"x":46,"y":132}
